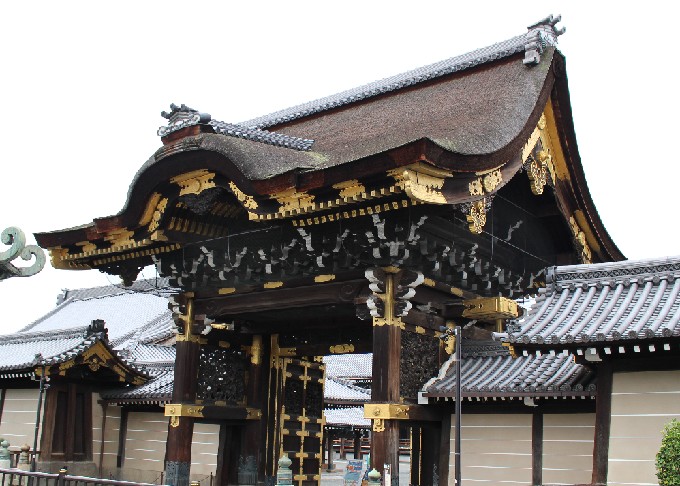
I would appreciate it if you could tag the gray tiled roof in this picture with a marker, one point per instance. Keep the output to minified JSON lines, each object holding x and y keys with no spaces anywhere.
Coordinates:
{"x":346,"y":416}
{"x":600,"y":304}
{"x":18,"y":351}
{"x":499,"y":375}
{"x":124,"y":314}
{"x":349,"y":366}
{"x":337,"y":389}
{"x":21,"y":352}
{"x":157,"y":389}
{"x":540,"y":35}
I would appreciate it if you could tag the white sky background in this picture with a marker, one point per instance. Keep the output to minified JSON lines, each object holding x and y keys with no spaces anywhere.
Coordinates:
{"x":83,"y":84}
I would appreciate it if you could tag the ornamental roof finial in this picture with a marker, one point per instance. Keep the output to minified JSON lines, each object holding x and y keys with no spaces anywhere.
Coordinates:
{"x":542,"y":34}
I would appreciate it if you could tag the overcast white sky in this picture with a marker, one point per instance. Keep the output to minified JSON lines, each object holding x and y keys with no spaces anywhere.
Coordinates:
{"x":83,"y":84}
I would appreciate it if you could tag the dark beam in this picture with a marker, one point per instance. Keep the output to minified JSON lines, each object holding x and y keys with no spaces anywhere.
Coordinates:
{"x":277,"y":299}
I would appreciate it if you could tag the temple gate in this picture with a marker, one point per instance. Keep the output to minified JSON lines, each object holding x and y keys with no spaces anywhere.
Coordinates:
{"x":433,"y":198}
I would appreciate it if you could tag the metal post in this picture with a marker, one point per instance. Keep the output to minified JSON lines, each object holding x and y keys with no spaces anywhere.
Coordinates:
{"x":457,"y":334}
{"x":37,"y":418}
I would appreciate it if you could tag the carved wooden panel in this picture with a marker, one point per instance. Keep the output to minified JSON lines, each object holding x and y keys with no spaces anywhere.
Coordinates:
{"x":222,"y":376}
{"x":419,"y":362}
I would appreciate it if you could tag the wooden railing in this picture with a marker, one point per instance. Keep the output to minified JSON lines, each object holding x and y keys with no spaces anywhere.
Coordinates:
{"x":20,"y":477}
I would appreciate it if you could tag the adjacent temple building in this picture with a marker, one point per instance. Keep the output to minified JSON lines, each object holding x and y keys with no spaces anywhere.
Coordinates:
{"x":371,"y":221}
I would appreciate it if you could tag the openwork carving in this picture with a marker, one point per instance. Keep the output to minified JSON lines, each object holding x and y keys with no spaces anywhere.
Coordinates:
{"x":314,"y":399}
{"x":16,"y":240}
{"x":294,"y":397}
{"x":221,"y":375}
{"x":419,"y":362}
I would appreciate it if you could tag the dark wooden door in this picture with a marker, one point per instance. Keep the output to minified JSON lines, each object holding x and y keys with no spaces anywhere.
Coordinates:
{"x":301,"y":419}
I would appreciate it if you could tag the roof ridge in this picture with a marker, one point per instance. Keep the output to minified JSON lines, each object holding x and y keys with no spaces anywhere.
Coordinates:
{"x":649,"y":267}
{"x":22,"y":336}
{"x":182,"y":116}
{"x":539,"y":36}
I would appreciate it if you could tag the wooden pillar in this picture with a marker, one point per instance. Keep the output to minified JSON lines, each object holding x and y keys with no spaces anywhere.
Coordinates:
{"x":180,"y":431}
{"x":603,"y":408}
{"x":386,"y":382}
{"x":537,"y":448}
{"x":415,"y":454}
{"x":357,"y":445}
{"x":445,"y":451}
{"x":256,"y":397}
{"x":330,"y":449}
{"x":430,"y":443}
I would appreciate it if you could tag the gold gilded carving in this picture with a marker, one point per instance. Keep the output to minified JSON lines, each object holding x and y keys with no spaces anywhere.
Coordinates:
{"x":121,"y":238}
{"x":174,"y":421}
{"x":420,"y":330}
{"x":491,"y":308}
{"x":149,"y":209}
{"x":253,"y":413}
{"x":350,"y":189}
{"x":580,"y":240}
{"x":194,"y":182}
{"x":247,"y":201}
{"x":87,"y":247}
{"x":293,"y":201}
{"x":272,"y":285}
{"x":476,"y":218}
{"x":492,"y":180}
{"x":226,"y":290}
{"x":342,"y":349}
{"x":542,"y":123}
{"x":538,"y":176}
{"x":424,"y":187}
{"x":580,"y":218}
{"x":256,"y":350}
{"x":476,"y":188}
{"x":158,"y":214}
{"x":324,"y":278}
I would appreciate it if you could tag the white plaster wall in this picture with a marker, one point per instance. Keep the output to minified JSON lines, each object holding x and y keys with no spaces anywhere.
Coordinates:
{"x":496,"y":449}
{"x":568,"y":448}
{"x":642,"y":403}
{"x":18,"y":416}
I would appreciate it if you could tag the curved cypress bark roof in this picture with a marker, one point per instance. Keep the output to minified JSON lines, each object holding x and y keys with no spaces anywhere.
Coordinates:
{"x":455,"y":121}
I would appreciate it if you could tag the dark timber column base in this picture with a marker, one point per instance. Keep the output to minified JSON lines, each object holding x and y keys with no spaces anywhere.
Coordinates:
{"x":177,"y":473}
{"x":385,"y":449}
{"x":603,"y":407}
{"x":537,"y":449}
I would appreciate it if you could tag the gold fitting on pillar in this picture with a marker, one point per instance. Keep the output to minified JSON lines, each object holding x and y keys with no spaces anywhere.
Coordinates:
{"x":491,"y":308}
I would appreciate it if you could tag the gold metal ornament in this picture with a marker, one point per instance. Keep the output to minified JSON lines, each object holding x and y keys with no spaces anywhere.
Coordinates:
{"x":476,"y":218}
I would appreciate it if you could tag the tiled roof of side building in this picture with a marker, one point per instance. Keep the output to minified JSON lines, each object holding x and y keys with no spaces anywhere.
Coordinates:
{"x":23,"y":352}
{"x":157,"y":390}
{"x":18,"y":351}
{"x":124,"y":313}
{"x":349,"y":366}
{"x":339,"y":390}
{"x":601,"y":305}
{"x":498,"y":374}
{"x":353,"y":416}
